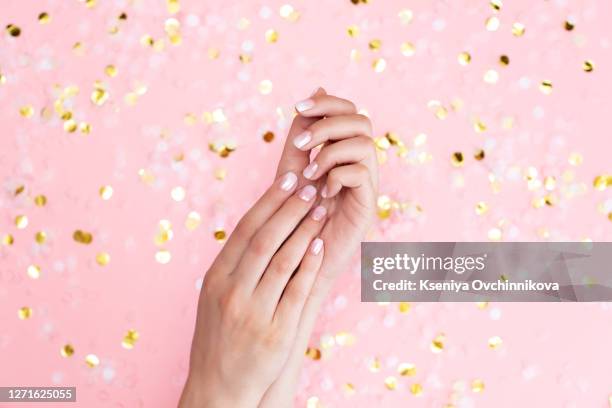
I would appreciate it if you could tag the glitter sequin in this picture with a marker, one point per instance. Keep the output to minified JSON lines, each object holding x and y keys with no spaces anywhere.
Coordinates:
{"x":67,"y":350}
{"x":24,"y":312}
{"x":163,"y":256}
{"x":21,"y":221}
{"x":406,"y":369}
{"x":92,"y":360}
{"x":103,"y":258}
{"x":82,"y":237}
{"x":518,"y":29}
{"x":106,"y":192}
{"x":130,"y":338}
{"x":437,"y":344}
{"x":495,"y":342}
{"x":34,"y":271}
{"x":546,"y":87}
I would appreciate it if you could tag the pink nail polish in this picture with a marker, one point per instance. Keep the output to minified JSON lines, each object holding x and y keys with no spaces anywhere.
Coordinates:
{"x":307,"y":193}
{"x":315,"y":91}
{"x":324,"y":191}
{"x":318,"y":213}
{"x":288,"y":181}
{"x":302,"y":139}
{"x":304,"y":105}
{"x":316,"y":246}
{"x":310,"y":170}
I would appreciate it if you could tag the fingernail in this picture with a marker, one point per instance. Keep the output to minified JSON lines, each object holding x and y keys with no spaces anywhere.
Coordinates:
{"x":318,"y":213}
{"x":316,"y":246}
{"x":308,"y":193}
{"x":310,"y":170}
{"x":324,"y":191}
{"x":315,"y":91}
{"x":302,"y":139}
{"x":304,"y":105}
{"x":288,"y":181}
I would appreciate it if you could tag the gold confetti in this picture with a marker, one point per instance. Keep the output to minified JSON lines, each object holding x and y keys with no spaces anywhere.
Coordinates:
{"x":496,"y":5}
{"x":479,"y":155}
{"x":404,"y":307}
{"x":391,"y":383}
{"x":82,"y":237}
{"x":384,"y":207}
{"x":353,"y":31}
{"x":416,"y":389}
{"x":67,"y":350}
{"x":588,"y":66}
{"x":92,"y":360}
{"x":19,"y":190}
{"x":457,"y":159}
{"x":21,"y":221}
{"x":34,"y":271}
{"x":375,"y":44}
{"x":173,"y":6}
{"x":268,"y":136}
{"x":568,"y":25}
{"x":44,"y":18}
{"x":265,"y":87}
{"x":85,"y":128}
{"x":313,"y":353}
{"x":481,"y":208}
{"x":464,"y":58}
{"x":610,"y":216}
{"x":103,"y":258}
{"x":575,"y":159}
{"x":13,"y":30}
{"x":130,"y":338}
{"x":495,"y":342}
{"x":374,"y":365}
{"x":213,"y":53}
{"x":482,"y":305}
{"x":504,"y":60}
{"x":271,"y":36}
{"x":405,"y":16}
{"x":518,"y":29}
{"x":106,"y":192}
{"x":219,"y":234}
{"x":164,"y":233}
{"x":602,"y":182}
{"x":379,"y":65}
{"x":2,"y":79}
{"x":7,"y":239}
{"x":349,"y":389}
{"x":491,"y":76}
{"x":478,"y":386}
{"x":546,"y":87}
{"x":407,"y":49}
{"x":70,"y":126}
{"x":492,"y":23}
{"x":163,"y":256}
{"x":406,"y":370}
{"x":494,"y":234}
{"x":110,"y":70}
{"x":24,"y":312}
{"x":40,"y":200}
{"x":193,"y":220}
{"x":479,"y":126}
{"x":99,"y":94}
{"x":437,"y":344}
{"x":26,"y":111}
{"x":178,"y":193}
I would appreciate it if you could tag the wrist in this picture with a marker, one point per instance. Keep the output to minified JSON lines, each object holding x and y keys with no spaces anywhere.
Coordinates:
{"x":200,"y":392}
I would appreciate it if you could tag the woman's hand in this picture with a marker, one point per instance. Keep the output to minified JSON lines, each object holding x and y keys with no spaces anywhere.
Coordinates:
{"x":346,"y":171}
{"x":251,"y":299}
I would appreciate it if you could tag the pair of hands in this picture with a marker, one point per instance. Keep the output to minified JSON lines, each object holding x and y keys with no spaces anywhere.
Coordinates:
{"x":261,"y":296}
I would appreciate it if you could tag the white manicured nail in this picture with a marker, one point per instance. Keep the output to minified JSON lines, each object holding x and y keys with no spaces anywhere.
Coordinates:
{"x":302,"y":139}
{"x":288,"y":181}
{"x":318,"y":213}
{"x":304,"y":105}
{"x":307,"y":193}
{"x":316,"y":246}
{"x":310,"y":170}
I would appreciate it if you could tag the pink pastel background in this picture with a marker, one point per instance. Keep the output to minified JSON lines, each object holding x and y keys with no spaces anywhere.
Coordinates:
{"x":552,"y":355}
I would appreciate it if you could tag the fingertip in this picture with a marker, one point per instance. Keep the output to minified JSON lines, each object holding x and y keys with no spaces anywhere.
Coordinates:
{"x":316,"y":247}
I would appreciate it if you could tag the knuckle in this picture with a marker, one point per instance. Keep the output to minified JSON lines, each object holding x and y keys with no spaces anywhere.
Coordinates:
{"x":281,"y":265}
{"x":259,"y":245}
{"x":243,"y":229}
{"x":230,"y":304}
